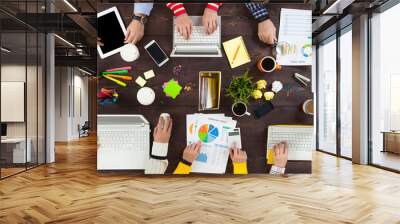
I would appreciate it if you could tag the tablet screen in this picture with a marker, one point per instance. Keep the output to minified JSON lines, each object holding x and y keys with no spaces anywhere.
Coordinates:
{"x":110,"y":32}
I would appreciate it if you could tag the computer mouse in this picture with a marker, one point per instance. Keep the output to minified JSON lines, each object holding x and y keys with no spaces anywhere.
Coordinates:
{"x":165,"y":115}
{"x":129,"y":52}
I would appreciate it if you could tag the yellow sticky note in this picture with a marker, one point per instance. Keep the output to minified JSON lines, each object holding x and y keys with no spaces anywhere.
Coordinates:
{"x":236,"y":49}
{"x":149,"y":74}
{"x":270,"y":156}
{"x":141,"y":81}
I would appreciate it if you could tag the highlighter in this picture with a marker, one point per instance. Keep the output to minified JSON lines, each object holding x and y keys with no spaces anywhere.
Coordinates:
{"x":115,"y":80}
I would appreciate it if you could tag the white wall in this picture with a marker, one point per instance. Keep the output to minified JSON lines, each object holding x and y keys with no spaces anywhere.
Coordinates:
{"x":71,"y":94}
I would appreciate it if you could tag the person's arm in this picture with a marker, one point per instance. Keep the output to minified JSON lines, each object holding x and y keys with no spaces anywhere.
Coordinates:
{"x":135,"y":30}
{"x":189,"y":155}
{"x":142,"y":8}
{"x":239,"y":160}
{"x":210,"y":15}
{"x":266,"y":28}
{"x":158,"y":163}
{"x":280,"y":158}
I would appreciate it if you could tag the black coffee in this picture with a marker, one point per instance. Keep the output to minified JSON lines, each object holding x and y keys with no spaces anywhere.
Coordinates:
{"x":239,"y":109}
{"x":268,"y":64}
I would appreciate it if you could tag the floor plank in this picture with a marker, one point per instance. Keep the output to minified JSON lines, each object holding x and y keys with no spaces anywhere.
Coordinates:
{"x":71,"y":191}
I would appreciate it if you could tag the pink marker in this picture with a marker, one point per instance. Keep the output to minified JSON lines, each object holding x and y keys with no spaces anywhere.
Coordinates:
{"x":121,"y":68}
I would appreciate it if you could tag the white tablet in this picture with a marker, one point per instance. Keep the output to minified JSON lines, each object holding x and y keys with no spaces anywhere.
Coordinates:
{"x":111,"y":30}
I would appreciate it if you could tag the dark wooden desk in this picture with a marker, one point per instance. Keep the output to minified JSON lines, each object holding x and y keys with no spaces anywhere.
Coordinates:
{"x":236,"y":20}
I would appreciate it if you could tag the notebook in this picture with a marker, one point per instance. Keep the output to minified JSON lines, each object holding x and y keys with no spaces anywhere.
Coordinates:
{"x":236,"y":46}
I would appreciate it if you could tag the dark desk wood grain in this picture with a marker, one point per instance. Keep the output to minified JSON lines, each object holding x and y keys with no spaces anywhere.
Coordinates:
{"x":236,"y":21}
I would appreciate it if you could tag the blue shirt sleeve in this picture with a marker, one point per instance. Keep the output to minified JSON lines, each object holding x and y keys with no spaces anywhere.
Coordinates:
{"x":143,"y":8}
{"x":258,"y":10}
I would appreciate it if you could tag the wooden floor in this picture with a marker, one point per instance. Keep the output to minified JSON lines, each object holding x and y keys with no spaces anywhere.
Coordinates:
{"x":70,"y":191}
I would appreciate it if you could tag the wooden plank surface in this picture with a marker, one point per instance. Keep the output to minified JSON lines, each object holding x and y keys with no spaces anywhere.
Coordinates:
{"x":236,"y":20}
{"x":71,"y":191}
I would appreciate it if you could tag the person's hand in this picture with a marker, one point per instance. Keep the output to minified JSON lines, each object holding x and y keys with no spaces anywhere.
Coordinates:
{"x":280,"y":154}
{"x":237,"y":155}
{"x":210,"y":23}
{"x":134,"y":32}
{"x":267,"y":32}
{"x":99,"y":42}
{"x":184,"y":25}
{"x":191,"y":152}
{"x":162,"y":132}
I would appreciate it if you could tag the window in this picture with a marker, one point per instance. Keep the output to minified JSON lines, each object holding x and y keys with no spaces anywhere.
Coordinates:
{"x":385,"y":88}
{"x":346,"y":74}
{"x":327,"y":96}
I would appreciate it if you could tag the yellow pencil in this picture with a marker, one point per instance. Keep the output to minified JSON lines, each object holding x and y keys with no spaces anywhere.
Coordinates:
{"x":236,"y":53}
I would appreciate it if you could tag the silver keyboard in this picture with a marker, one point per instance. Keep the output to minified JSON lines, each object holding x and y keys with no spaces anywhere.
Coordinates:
{"x":123,"y":137}
{"x":300,"y":140}
{"x":198,"y":37}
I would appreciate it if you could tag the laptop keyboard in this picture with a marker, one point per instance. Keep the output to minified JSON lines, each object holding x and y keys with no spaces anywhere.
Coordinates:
{"x":300,"y":140}
{"x":198,"y":37}
{"x":123,"y":137}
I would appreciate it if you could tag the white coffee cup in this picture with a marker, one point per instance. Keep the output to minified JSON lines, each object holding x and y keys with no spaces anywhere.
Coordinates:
{"x":239,"y":109}
{"x":308,"y":107}
{"x":129,"y":52}
{"x":146,"y":96}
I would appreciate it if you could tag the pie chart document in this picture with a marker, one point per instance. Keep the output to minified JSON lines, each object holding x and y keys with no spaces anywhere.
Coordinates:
{"x":212,"y":131}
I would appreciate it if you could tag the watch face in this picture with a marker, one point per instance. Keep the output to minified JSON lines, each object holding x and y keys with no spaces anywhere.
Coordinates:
{"x":143,"y":19}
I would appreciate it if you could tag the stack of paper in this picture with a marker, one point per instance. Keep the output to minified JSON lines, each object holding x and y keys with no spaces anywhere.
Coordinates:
{"x":212,"y":131}
{"x":295,"y":37}
{"x":172,"y":88}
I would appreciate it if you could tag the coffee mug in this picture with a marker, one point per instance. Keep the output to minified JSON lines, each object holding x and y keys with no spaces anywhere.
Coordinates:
{"x":308,"y":107}
{"x":267,"y":64}
{"x":239,"y":109}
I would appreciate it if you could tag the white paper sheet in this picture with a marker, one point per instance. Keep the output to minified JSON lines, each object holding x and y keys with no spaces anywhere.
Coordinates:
{"x":295,"y":38}
{"x":212,"y":130}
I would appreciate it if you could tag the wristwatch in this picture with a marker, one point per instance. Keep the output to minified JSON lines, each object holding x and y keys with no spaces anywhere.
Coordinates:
{"x":142,"y":19}
{"x":263,"y":18}
{"x":277,"y":170}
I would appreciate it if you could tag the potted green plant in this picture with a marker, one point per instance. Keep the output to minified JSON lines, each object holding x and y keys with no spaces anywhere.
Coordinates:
{"x":240,"y":88}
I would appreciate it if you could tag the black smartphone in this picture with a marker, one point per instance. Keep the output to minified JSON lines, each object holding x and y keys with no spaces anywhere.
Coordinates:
{"x":263,"y":110}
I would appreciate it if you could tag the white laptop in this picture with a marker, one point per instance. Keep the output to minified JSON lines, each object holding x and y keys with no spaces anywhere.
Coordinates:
{"x":300,"y":139}
{"x":123,"y":142}
{"x":199,"y":44}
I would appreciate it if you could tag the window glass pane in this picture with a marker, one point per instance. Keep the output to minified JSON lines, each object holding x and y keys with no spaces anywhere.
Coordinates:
{"x":346,"y":94}
{"x":13,"y":88}
{"x":385,"y":84}
{"x":327,"y":97}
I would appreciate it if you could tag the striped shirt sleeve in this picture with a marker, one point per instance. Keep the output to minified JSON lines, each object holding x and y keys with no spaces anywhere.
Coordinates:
{"x":179,"y":9}
{"x":214,"y":6}
{"x":258,"y":10}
